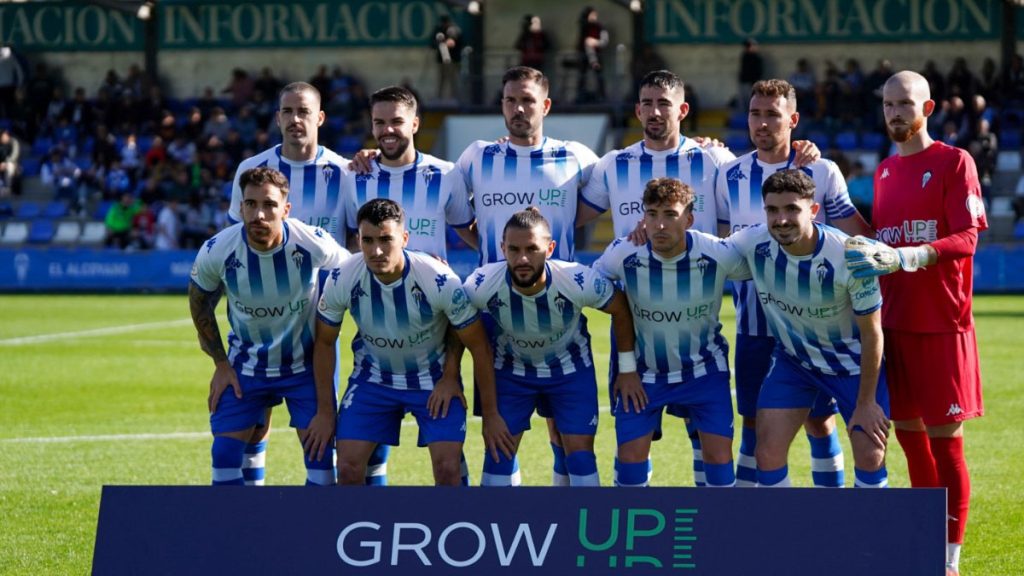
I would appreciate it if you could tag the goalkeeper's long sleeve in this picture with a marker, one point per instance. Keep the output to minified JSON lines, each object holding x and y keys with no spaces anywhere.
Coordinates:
{"x":959,"y":245}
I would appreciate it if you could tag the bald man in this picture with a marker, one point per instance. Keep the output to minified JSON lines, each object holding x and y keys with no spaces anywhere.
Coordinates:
{"x":928,"y":207}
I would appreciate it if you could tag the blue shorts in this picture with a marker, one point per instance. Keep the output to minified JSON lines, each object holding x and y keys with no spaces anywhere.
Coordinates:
{"x":572,"y":400}
{"x":790,"y":385}
{"x":374,"y":413}
{"x":707,"y":400}
{"x":752,"y":362}
{"x":234,"y":414}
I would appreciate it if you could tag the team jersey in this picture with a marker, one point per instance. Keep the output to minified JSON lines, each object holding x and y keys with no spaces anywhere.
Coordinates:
{"x":919,"y":199}
{"x":504,"y":179}
{"x":810,"y":301}
{"x":430,"y":190}
{"x":270,"y":295}
{"x":620,"y":177}
{"x":401,"y":339}
{"x":543,"y":335}
{"x":315,"y":188}
{"x":675,"y":304}
{"x":739,"y":186}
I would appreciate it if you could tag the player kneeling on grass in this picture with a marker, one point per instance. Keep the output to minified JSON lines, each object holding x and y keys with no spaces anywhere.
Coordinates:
{"x":271,"y":355}
{"x":402,"y":303}
{"x":674,"y":285}
{"x":542,"y":347}
{"x":827,"y":324}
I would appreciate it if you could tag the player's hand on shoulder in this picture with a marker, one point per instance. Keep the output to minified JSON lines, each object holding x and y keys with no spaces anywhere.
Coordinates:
{"x":224,"y":376}
{"x":866,"y":257}
{"x":807,"y":153}
{"x":361,"y":163}
{"x":638,"y":237}
{"x":707,"y":142}
{"x":445,"y":390}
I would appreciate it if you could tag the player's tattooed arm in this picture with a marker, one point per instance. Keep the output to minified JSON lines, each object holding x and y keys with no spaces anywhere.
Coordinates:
{"x":204,"y":316}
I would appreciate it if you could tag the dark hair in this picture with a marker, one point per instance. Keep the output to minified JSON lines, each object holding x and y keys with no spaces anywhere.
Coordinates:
{"x":523,"y":73}
{"x":667,"y":191}
{"x":298,"y":88}
{"x":774,"y":88}
{"x":396,"y":94}
{"x":526,"y":220}
{"x":663,"y":79}
{"x":380,"y":210}
{"x":263,"y":175}
{"x":789,"y":181}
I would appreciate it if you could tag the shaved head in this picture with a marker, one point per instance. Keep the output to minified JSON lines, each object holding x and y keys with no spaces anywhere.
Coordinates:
{"x":910,"y":81}
{"x":907,"y":104}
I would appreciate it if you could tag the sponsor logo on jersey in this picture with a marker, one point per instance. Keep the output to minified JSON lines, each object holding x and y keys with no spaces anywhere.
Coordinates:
{"x":910,"y":232}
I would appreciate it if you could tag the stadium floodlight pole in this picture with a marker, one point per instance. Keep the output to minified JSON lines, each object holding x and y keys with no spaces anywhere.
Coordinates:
{"x":1008,"y":35}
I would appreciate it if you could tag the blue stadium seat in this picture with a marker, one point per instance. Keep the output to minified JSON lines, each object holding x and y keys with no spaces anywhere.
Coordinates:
{"x":5,"y":123}
{"x":737,"y":142}
{"x":101,"y":209}
{"x":1018,"y":230}
{"x":820,"y":139}
{"x":1009,"y":139}
{"x":6,"y":210}
{"x":335,"y":124}
{"x":41,"y":231}
{"x":737,"y":121}
{"x":28,"y":210}
{"x":31,"y":166}
{"x":42,"y":145}
{"x":144,"y":143}
{"x":872,"y":140}
{"x":56,"y":209}
{"x":847,"y":140}
{"x":349,"y":144}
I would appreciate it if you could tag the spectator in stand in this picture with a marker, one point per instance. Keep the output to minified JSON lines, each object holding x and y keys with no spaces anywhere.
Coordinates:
{"x":193,"y":128}
{"x":197,"y":223}
{"x":873,"y":93}
{"x":206,"y":102}
{"x":852,"y":95}
{"x":593,"y":38}
{"x":182,"y":151}
{"x":119,"y":221}
{"x":61,"y":174}
{"x":267,"y":82}
{"x":79,"y":114}
{"x":112,"y":84}
{"x":54,"y":111}
{"x":829,"y":95}
{"x":24,"y":123}
{"x":805,"y":83}
{"x":263,"y":108}
{"x":136,"y":82}
{"x":533,"y":43}
{"x":240,"y":87}
{"x":168,"y":227}
{"x":179,"y":187}
{"x":246,"y":125}
{"x":989,"y":83}
{"x":936,"y":80}
{"x":39,"y":91}
{"x":131,"y":157}
{"x":1013,"y":82}
{"x":156,"y":159}
{"x":10,"y":170}
{"x":153,"y":109}
{"x":217,"y":126}
{"x":954,"y":122}
{"x":961,"y":81}
{"x":168,"y":126}
{"x":447,"y":45}
{"x":11,"y":78}
{"x":143,"y":228}
{"x":751,"y":70}
{"x":127,"y":112}
{"x":222,"y":217}
{"x":117,"y":182}
{"x":984,"y":147}
{"x":321,"y":81}
{"x":860,"y":185}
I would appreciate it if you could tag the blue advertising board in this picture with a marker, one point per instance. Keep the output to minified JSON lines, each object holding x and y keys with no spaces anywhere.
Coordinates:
{"x":555,"y":531}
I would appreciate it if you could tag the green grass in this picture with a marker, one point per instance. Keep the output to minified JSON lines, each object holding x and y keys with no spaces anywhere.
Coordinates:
{"x":77,"y":410}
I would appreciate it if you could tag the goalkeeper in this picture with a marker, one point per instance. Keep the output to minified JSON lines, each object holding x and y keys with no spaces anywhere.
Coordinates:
{"x":928,"y":208}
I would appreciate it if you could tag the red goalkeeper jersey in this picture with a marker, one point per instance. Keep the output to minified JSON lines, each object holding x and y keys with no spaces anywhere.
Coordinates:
{"x":919,"y":199}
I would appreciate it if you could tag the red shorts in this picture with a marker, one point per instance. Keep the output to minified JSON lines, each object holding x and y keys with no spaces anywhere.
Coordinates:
{"x":934,"y":377}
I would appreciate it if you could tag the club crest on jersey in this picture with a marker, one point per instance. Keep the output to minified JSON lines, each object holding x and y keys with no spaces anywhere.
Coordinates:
{"x":298,"y":257}
{"x":578,"y":279}
{"x":702,"y":264}
{"x":327,"y":172}
{"x":210,"y":243}
{"x":563,"y":304}
{"x":418,"y":295}
{"x":925,"y":178}
{"x":735,"y":174}
{"x":233,"y":263}
{"x":821,"y":271}
{"x":494,"y":305}
{"x":441,"y":280}
{"x":690,"y":154}
{"x":428,"y":174}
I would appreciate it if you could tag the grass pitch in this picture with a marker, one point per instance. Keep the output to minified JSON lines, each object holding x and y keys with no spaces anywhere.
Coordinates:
{"x":112,"y":390}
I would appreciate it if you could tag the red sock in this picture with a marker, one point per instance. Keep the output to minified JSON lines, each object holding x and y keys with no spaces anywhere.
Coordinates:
{"x":952,"y":468}
{"x":920,"y":462}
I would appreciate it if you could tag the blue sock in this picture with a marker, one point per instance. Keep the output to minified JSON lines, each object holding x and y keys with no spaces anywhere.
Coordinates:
{"x":559,"y":472}
{"x":746,"y":464}
{"x":778,"y":478}
{"x":226,"y":455}
{"x":720,"y":475}
{"x":632,"y":475}
{"x":504,"y":472}
{"x":827,"y":461}
{"x":876,"y":479}
{"x":698,"y":456}
{"x":582,"y":467}
{"x":377,"y":466}
{"x":465,"y":469}
{"x":321,"y":472}
{"x":254,"y":463}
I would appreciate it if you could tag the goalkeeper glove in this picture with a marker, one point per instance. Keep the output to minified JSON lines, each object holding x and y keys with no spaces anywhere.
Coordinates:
{"x":866,"y":257}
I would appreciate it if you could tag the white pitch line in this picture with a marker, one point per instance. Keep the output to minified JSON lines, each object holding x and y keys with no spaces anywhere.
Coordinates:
{"x":94,"y":332}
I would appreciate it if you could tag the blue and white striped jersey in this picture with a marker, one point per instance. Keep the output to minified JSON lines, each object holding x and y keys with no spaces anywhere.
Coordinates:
{"x":620,"y":177}
{"x":315,"y":188}
{"x":270,"y":295}
{"x":430,"y":190}
{"x":543,"y":335}
{"x":675,"y":304}
{"x":810,"y":301}
{"x":504,"y":179}
{"x":739,"y":186}
{"x":402,"y":325}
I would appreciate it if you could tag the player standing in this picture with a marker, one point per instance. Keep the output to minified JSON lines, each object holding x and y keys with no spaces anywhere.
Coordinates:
{"x":402,"y":302}
{"x":928,"y":204}
{"x":674,"y":285}
{"x":268,"y":267}
{"x":529,"y":169}
{"x":828,"y":331}
{"x":542,"y":347}
{"x":771,"y":118}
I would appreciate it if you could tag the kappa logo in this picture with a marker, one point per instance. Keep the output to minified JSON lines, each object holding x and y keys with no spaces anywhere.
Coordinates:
{"x":210,"y":243}
{"x":954,"y":410}
{"x":735,"y":174}
{"x":335,"y":274}
{"x":885,"y":174}
{"x":478,"y":279}
{"x":441,"y":280}
{"x":633,"y":261}
{"x":357,"y":292}
{"x":360,"y":178}
{"x":593,"y":421}
{"x":494,"y":305}
{"x":578,"y":279}
{"x":925,"y":178}
{"x":233,"y":263}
